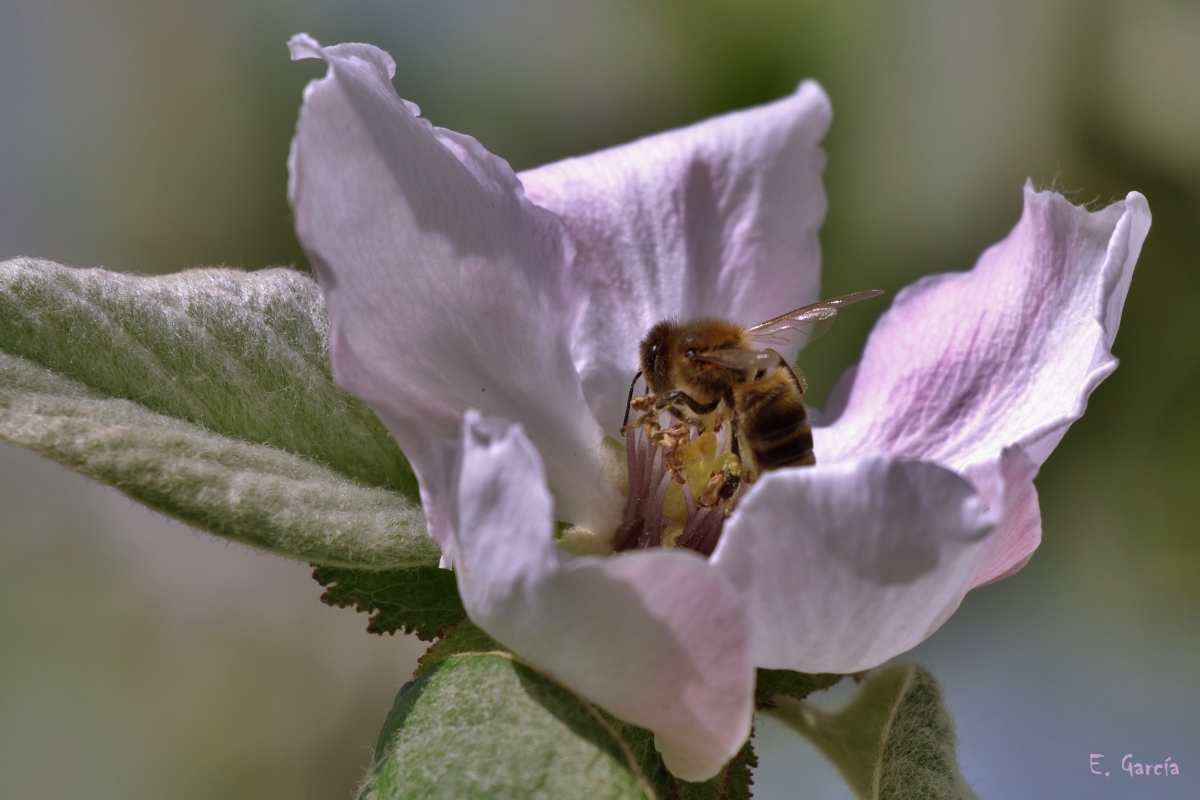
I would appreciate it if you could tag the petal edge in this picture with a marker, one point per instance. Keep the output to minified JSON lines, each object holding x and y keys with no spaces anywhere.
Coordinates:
{"x":844,"y":566}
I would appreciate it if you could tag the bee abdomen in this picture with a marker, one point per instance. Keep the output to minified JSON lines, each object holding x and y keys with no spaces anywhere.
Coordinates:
{"x":778,"y":433}
{"x":788,"y":447}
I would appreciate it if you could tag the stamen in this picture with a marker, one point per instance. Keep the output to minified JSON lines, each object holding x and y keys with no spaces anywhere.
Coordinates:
{"x":667,"y":468}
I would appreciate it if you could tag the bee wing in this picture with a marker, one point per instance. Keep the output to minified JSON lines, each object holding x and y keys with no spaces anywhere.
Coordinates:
{"x":739,"y":358}
{"x":805,"y":324}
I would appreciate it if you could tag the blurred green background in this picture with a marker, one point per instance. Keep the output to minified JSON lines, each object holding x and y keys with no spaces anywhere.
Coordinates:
{"x":140,"y":659}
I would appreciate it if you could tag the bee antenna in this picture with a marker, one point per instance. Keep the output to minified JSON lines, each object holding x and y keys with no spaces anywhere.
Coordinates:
{"x":629,"y":399}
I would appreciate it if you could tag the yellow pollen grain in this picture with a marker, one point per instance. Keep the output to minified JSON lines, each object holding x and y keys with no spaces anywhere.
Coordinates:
{"x":697,"y":461}
{"x":701,"y":461}
{"x":670,"y":535}
{"x":675,"y":505}
{"x":582,"y":542}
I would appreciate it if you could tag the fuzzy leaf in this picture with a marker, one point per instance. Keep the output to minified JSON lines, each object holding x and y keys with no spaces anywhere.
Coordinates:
{"x":423,"y":601}
{"x":255,"y":494}
{"x":731,"y":783}
{"x":486,"y":726}
{"x":479,"y":739}
{"x":465,"y":637}
{"x":894,"y":741}
{"x":243,"y":354}
{"x":206,"y":395}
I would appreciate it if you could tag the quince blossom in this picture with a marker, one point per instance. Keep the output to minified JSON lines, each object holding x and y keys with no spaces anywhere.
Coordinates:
{"x":492,"y":321}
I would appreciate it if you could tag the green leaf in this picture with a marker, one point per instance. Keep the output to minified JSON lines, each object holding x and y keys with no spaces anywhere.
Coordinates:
{"x":464,"y":637}
{"x":493,"y":727}
{"x":487,"y":726}
{"x":497,"y":739}
{"x":251,"y":493}
{"x":731,"y":783}
{"x":242,"y":354}
{"x":206,"y":395}
{"x":773,"y":683}
{"x":894,"y":741}
{"x":423,"y":601}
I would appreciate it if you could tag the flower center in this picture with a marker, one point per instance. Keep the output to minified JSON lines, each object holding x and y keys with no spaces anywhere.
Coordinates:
{"x":684,"y":480}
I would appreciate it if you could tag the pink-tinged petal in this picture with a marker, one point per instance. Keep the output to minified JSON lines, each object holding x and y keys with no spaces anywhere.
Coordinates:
{"x":966,"y":366}
{"x":1007,"y":485}
{"x":845,"y":565}
{"x":443,"y":283}
{"x":657,"y":638}
{"x":716,"y":219}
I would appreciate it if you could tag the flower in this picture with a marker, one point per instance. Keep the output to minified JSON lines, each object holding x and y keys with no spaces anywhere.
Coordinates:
{"x":492,"y":321}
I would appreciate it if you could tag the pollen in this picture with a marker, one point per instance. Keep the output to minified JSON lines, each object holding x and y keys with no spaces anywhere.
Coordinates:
{"x":683,"y":481}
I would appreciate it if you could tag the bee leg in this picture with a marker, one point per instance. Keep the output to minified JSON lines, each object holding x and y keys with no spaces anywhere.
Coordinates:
{"x":745,"y":474}
{"x":729,"y":487}
{"x":713,"y":491}
{"x":676,"y":397}
{"x":651,"y":407}
{"x":672,"y":402}
{"x":686,"y":418}
{"x":728,"y":480}
{"x":644,"y":404}
{"x":733,"y":428}
{"x":649,"y":419}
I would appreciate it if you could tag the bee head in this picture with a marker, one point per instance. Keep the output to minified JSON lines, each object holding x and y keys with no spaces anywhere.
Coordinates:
{"x":655,"y":357}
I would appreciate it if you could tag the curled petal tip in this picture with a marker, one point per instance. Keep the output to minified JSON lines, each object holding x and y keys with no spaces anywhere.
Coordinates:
{"x":814,"y":95}
{"x":303,"y":46}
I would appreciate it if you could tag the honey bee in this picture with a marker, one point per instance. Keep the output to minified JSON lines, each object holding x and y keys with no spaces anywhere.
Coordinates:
{"x":700,"y":367}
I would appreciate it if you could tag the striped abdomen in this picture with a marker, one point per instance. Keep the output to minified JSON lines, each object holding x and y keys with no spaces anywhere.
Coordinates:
{"x":772,"y":424}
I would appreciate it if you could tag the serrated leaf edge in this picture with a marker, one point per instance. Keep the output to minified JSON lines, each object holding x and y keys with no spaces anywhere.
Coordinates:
{"x":375,"y":612}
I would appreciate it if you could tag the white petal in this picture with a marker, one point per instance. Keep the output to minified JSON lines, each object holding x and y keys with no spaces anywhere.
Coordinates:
{"x":844,"y":566}
{"x":967,"y":365}
{"x":657,"y":638}
{"x":716,"y":219}
{"x":444,"y":285}
{"x":1006,"y":485}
